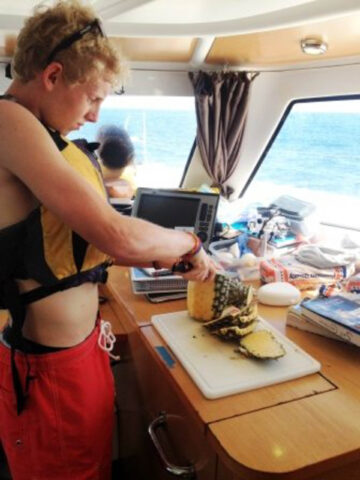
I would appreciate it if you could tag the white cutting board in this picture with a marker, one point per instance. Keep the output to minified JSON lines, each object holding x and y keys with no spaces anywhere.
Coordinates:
{"x":215,"y":366}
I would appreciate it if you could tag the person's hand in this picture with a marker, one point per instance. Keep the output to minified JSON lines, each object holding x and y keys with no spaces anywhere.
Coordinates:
{"x":203,"y":268}
{"x":120,"y":190}
{"x":167,"y":263}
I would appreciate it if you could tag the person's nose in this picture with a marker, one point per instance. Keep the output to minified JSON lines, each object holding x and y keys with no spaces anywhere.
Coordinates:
{"x":92,"y":115}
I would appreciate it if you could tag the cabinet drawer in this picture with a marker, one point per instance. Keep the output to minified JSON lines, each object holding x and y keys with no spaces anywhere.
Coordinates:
{"x":180,"y":433}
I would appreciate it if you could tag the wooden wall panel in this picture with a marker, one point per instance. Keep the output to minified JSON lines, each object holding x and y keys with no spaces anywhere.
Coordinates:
{"x":283,"y":46}
{"x":157,"y":49}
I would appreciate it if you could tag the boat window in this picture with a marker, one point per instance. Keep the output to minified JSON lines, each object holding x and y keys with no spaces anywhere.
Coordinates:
{"x":162,"y":129}
{"x":315,"y":156}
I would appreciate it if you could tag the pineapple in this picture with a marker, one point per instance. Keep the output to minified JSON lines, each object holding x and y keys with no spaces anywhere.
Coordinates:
{"x":261,"y":344}
{"x":207,"y":300}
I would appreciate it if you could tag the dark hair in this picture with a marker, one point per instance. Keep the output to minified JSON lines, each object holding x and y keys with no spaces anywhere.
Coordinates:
{"x":116,"y":149}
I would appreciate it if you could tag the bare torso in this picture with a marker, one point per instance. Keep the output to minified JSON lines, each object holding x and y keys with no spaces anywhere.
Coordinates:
{"x":60,"y":320}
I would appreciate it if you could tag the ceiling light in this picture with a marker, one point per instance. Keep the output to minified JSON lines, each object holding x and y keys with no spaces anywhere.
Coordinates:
{"x":313,"y":46}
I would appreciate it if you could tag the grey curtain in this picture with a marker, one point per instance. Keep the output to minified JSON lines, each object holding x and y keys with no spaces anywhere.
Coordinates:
{"x":221,"y":100}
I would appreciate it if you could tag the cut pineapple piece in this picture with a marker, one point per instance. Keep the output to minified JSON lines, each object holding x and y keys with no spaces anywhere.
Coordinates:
{"x":247,"y":314}
{"x":234,"y":332}
{"x":261,"y":344}
{"x":227,"y":318}
{"x":232,"y":316}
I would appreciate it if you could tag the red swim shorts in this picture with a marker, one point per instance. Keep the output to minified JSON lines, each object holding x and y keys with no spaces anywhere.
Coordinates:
{"x":65,"y":430}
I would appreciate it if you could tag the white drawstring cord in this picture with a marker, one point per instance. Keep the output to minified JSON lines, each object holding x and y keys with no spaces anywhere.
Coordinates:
{"x":107,"y":339}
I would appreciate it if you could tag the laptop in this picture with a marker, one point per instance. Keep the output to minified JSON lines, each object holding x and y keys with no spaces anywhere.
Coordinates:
{"x":148,"y":280}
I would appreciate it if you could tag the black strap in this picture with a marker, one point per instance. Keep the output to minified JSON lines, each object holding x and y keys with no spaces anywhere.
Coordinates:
{"x":96,"y":275}
{"x":57,"y":138}
{"x":16,"y":304}
{"x":11,"y":293}
{"x":18,"y":388}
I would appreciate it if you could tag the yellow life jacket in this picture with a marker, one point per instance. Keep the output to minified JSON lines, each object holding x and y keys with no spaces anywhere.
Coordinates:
{"x":47,"y":250}
{"x":43,"y":248}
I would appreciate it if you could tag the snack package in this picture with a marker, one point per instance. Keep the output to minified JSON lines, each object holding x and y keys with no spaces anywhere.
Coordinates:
{"x":304,"y":277}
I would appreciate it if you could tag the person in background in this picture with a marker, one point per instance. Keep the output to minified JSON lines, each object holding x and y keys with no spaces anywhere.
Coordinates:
{"x":58,"y":235}
{"x":116,"y":152}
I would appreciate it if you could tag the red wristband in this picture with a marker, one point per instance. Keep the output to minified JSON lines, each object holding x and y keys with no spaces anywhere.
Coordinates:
{"x":197,"y":246}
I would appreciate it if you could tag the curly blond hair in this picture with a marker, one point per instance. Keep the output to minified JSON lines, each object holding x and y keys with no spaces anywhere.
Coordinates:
{"x":47,"y":27}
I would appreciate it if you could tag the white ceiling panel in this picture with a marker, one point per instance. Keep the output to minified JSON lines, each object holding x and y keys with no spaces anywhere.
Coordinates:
{"x":217,"y":17}
{"x":192,"y":17}
{"x":201,"y":11}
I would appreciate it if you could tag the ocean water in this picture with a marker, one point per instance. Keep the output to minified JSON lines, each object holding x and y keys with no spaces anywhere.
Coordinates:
{"x":159,"y":136}
{"x":314,"y":150}
{"x":318,"y":151}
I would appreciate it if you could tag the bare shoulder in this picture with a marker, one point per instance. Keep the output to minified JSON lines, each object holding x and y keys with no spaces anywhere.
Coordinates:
{"x":16,"y":120}
{"x":13,"y":111}
{"x":22,"y":136}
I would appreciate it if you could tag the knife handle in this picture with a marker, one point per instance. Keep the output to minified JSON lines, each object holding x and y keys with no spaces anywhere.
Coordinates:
{"x":181,"y":267}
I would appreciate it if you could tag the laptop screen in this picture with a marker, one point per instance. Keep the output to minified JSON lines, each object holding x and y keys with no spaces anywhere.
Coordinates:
{"x":168,"y":211}
{"x":178,"y":209}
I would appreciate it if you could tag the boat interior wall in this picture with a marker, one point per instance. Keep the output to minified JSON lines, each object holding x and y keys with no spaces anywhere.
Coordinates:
{"x":4,"y":82}
{"x":155,"y":82}
{"x":276,"y":90}
{"x":141,"y":82}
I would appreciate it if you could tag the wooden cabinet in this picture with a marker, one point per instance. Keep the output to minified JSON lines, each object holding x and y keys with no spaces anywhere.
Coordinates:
{"x":177,"y":430}
{"x":144,"y":397}
{"x":348,"y":472}
{"x":129,"y":433}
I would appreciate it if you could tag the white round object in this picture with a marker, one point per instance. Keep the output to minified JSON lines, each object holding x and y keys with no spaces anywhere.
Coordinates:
{"x":278,"y":294}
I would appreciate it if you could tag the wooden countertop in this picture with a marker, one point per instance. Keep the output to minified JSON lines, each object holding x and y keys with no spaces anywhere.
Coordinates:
{"x":301,"y":429}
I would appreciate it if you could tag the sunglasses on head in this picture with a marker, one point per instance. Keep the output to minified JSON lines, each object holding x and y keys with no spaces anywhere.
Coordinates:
{"x":68,"y":41}
{"x":74,"y":37}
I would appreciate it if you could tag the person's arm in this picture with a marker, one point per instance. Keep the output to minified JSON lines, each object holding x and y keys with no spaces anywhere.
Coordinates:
{"x":29,"y":153}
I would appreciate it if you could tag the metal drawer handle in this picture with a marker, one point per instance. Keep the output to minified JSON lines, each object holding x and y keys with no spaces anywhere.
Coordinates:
{"x":183,"y":472}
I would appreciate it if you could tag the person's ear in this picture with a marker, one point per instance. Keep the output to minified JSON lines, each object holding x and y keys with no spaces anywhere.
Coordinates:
{"x":52,"y":75}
